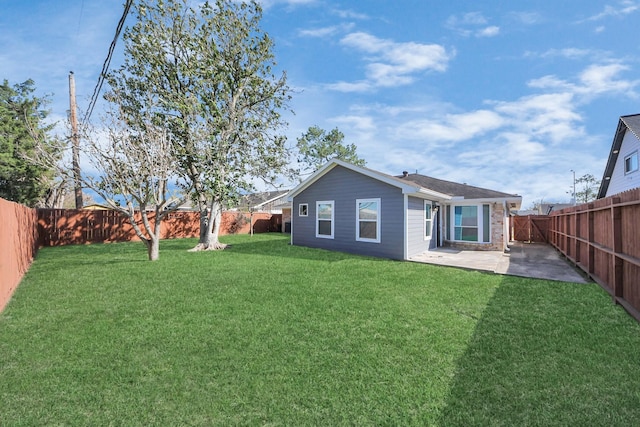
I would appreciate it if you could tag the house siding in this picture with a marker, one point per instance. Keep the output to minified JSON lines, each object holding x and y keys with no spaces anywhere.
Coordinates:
{"x":344,"y":187}
{"x":415,"y":227}
{"x":619,"y":180}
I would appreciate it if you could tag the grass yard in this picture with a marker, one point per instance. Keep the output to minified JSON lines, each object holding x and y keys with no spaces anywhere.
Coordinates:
{"x":269,"y":334}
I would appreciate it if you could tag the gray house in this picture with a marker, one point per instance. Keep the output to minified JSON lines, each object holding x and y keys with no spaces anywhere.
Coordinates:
{"x":353,"y":209}
{"x":621,"y":172}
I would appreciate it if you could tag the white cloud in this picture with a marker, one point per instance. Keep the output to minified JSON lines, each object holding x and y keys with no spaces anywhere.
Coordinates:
{"x":624,"y":8}
{"x":596,"y":79}
{"x":349,"y":14}
{"x":526,"y":18}
{"x":360,"y":123}
{"x":266,"y":4}
{"x":472,"y":23}
{"x":568,"y":53}
{"x":451,"y":127}
{"x":491,"y":31}
{"x":470,"y":18}
{"x":390,"y":63}
{"x":550,"y":117}
{"x":359,"y":86}
{"x":325,"y":31}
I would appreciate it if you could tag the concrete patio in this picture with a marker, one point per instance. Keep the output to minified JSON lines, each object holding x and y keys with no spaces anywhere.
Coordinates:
{"x":535,"y":260}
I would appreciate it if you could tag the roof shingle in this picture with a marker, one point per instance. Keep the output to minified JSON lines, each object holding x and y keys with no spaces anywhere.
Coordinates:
{"x":453,"y":189}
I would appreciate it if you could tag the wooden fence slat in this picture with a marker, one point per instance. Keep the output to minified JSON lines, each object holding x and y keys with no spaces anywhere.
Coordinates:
{"x":611,"y":239}
{"x":69,"y":226}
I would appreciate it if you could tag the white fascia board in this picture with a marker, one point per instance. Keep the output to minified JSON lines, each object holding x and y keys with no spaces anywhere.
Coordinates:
{"x":425,"y":193}
{"x":517,"y":200}
{"x":270,"y":200}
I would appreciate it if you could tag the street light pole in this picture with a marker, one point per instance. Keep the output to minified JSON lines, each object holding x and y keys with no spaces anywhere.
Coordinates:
{"x":574,"y":187}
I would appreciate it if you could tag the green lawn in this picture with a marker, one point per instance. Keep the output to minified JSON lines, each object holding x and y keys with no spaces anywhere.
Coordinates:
{"x":269,"y":334}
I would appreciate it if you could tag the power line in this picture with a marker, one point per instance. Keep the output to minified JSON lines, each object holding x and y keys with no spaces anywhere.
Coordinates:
{"x":80,"y":19}
{"x":105,"y":65}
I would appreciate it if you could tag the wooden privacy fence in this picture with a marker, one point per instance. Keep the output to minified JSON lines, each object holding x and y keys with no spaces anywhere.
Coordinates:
{"x":18,"y":245}
{"x":603,"y":239}
{"x":530,"y":228}
{"x":58,"y":227}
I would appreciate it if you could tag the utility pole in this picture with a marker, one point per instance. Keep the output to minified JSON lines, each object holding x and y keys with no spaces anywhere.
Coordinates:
{"x":75,"y":141}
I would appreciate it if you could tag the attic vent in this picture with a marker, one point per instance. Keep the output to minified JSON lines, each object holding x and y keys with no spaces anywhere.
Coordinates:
{"x":405,"y":174}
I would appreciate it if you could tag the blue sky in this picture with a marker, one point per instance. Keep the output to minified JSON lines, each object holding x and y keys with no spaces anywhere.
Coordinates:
{"x":510,"y":96}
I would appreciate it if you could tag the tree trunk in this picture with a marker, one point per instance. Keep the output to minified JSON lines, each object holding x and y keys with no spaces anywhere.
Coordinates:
{"x":210,"y":242}
{"x":153,"y":248}
{"x":204,"y":217}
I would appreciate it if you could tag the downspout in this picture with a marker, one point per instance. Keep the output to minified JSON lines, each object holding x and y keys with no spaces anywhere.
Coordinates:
{"x":441,"y":231}
{"x":291,"y":219}
{"x":505,"y":227}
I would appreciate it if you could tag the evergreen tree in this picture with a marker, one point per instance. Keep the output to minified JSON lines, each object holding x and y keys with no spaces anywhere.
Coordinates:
{"x":22,"y":132}
{"x":317,"y":146}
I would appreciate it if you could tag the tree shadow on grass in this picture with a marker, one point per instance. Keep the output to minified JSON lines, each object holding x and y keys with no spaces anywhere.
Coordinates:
{"x":548,"y":353}
{"x":282,"y":249}
{"x":94,"y":254}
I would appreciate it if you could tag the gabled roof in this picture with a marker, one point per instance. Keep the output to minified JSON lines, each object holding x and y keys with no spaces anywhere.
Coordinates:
{"x":630,"y":122}
{"x":455,"y":189}
{"x":413,"y":184}
{"x":406,"y":187}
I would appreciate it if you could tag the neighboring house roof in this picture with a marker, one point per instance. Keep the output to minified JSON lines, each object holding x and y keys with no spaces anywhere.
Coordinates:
{"x":415,"y":184}
{"x":96,"y":207}
{"x":630,"y":122}
{"x":282,"y":203}
{"x":258,"y":200}
{"x":547,"y":208}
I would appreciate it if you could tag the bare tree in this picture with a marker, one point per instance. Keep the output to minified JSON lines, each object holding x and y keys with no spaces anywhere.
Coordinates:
{"x":134,"y":166}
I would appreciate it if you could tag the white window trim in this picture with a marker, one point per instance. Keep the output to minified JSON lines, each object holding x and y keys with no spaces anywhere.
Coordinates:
{"x":427,"y":204}
{"x":300,"y":209}
{"x":480,"y":226}
{"x":378,"y":205}
{"x":333,"y":215}
{"x":626,"y":172}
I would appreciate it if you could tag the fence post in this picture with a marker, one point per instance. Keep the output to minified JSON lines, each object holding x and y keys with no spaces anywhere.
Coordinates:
{"x":591,"y":239}
{"x":576,"y":241}
{"x":616,"y":245}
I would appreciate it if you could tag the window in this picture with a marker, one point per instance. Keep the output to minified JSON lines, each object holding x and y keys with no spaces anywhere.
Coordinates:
{"x":472,"y":223}
{"x":631,"y":163}
{"x":428,"y":223}
{"x":303,"y":209}
{"x":466,"y":223}
{"x":324,"y":219}
{"x":486,"y":223}
{"x":368,"y":220}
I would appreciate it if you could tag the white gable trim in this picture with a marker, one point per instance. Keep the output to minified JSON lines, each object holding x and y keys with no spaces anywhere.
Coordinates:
{"x":406,"y":188}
